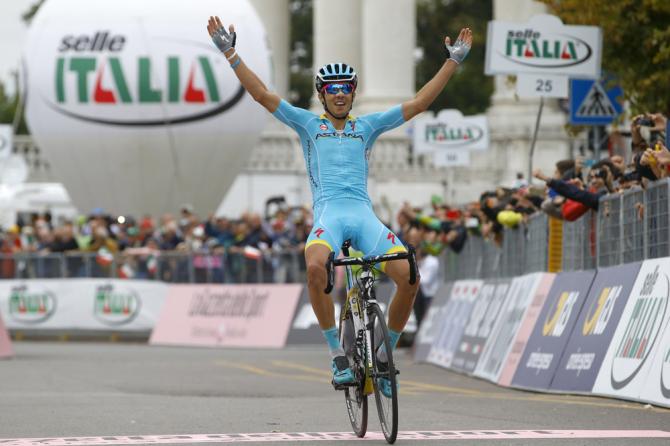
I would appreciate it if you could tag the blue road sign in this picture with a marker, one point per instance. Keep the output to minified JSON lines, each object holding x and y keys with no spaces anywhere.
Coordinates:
{"x":592,"y":104}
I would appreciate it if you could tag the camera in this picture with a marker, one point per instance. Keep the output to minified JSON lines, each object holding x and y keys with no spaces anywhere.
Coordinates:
{"x":644,"y":122}
{"x":600,"y":173}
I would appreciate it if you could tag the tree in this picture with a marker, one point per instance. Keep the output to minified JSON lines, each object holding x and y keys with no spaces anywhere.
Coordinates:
{"x":469,"y":90}
{"x":636,"y":45}
{"x":301,"y":81}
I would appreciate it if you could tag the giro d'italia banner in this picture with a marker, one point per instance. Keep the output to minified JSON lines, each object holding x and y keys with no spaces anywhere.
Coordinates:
{"x":552,"y":330}
{"x":657,"y":388}
{"x":543,"y":45}
{"x":499,"y":343}
{"x":431,"y":324}
{"x":456,"y":313}
{"x":480,"y":324}
{"x":81,"y":304}
{"x":5,"y":342}
{"x":526,"y":328}
{"x":227,"y":315}
{"x":594,"y":329}
{"x":637,"y":340}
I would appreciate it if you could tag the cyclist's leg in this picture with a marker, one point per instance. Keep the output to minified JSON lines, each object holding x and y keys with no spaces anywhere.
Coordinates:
{"x":325,"y":238}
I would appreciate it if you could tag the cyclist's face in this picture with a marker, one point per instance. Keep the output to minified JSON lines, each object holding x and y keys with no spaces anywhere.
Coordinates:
{"x":338,"y":102}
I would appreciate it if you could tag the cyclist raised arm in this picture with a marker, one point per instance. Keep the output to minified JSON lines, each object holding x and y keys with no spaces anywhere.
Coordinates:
{"x":430,"y":91}
{"x":225,"y":42}
{"x":336,"y":147}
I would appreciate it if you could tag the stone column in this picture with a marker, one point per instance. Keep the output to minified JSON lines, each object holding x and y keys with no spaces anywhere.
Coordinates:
{"x":276,"y":18}
{"x":337,"y":35}
{"x":389,"y":39}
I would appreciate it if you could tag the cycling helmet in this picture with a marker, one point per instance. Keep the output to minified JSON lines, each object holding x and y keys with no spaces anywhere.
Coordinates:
{"x":335,"y":72}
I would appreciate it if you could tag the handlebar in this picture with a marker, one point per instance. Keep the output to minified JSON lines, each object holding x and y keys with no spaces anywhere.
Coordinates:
{"x":332,"y":262}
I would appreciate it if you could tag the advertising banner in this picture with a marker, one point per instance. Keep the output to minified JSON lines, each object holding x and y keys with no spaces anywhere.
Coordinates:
{"x":521,"y":291}
{"x":81,"y":304}
{"x":543,"y":45}
{"x":450,"y":130}
{"x":526,"y":328}
{"x":552,"y":330}
{"x":5,"y":342}
{"x":480,"y":323}
{"x":459,"y":306}
{"x":656,"y":390}
{"x":629,"y":359}
{"x":432,"y":323}
{"x":594,"y":329}
{"x":227,"y":315}
{"x":305,"y":326}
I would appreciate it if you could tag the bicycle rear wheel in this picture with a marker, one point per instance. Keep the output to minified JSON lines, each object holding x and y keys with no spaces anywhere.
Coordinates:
{"x":354,"y":396}
{"x":387,"y":406}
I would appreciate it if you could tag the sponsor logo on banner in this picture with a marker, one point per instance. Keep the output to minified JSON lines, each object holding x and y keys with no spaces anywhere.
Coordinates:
{"x":665,"y":375}
{"x":445,"y":135}
{"x":431,"y":323}
{"x":642,"y":330}
{"x":116,"y":305}
{"x":479,"y":325}
{"x":32,"y":307}
{"x":552,"y":331}
{"x":227,"y":315}
{"x":122,"y":81}
{"x":538,"y":48}
{"x":594,"y":329}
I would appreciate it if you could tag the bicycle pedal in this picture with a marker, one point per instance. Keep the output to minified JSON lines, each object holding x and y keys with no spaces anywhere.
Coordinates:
{"x":343,"y":386}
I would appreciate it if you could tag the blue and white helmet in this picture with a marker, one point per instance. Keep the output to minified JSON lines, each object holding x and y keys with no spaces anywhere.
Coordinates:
{"x":335,"y":72}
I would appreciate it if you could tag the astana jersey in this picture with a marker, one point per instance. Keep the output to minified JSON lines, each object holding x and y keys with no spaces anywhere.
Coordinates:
{"x":337,"y":168}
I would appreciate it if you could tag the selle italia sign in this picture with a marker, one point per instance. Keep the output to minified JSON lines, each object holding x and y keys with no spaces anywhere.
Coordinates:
{"x":543,"y":45}
{"x":90,"y":71}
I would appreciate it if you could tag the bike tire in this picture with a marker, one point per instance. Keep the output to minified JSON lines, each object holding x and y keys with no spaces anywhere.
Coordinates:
{"x":355,"y":398}
{"x":387,"y":408}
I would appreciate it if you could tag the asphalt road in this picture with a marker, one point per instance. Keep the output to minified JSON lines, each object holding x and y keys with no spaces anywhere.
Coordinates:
{"x":137,"y":394}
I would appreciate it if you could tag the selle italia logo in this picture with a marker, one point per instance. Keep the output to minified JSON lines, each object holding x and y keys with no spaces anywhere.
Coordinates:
{"x":32,"y":307}
{"x":116,"y":307}
{"x":91,"y":70}
{"x":446,"y":135}
{"x":535,"y":48}
{"x":642,"y":330}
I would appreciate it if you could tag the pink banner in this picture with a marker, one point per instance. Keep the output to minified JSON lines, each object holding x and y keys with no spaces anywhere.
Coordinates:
{"x":526,"y":329}
{"x":5,"y":343}
{"x":227,"y":315}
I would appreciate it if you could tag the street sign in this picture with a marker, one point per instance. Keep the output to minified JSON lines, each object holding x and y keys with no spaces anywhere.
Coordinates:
{"x":451,"y":157}
{"x":592,"y":103}
{"x":541,"y":85}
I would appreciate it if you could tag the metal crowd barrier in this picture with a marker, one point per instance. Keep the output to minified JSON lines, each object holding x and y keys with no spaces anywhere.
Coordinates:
{"x":168,"y":266}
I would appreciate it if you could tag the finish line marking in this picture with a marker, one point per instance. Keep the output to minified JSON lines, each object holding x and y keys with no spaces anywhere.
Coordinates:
{"x":333,"y":436}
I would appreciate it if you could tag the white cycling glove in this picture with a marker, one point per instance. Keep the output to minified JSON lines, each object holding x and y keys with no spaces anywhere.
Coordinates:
{"x":458,"y":51}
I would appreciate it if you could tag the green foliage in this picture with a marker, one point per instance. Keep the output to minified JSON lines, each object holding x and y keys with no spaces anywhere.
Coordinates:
{"x":301,"y":81}
{"x":469,"y":90}
{"x":8,"y":106}
{"x":636,"y":45}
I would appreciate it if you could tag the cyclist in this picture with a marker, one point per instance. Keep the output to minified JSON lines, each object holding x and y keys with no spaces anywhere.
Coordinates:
{"x":337,"y":147}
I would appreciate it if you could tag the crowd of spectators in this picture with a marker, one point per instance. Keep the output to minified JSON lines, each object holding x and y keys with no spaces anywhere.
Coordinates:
{"x":140,"y":247}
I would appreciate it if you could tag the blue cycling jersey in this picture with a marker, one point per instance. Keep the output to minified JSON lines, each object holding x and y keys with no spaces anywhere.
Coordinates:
{"x":337,"y":161}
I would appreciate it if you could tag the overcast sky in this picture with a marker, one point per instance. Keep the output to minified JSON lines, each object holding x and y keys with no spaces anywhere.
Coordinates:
{"x":12,"y":36}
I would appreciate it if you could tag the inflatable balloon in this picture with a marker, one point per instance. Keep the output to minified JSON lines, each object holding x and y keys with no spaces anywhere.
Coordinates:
{"x":134,"y":108}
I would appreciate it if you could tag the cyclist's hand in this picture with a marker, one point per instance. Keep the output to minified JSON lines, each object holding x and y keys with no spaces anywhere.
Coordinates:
{"x":224,"y":40}
{"x":459,"y":50}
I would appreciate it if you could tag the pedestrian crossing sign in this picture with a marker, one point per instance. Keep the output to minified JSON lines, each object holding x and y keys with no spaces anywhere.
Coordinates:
{"x":594,"y":102}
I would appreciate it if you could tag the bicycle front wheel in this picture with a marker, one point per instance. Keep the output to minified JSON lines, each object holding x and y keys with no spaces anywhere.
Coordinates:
{"x":387,"y":404}
{"x":354,"y":397}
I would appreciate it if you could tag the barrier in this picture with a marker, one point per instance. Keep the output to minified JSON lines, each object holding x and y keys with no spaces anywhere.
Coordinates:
{"x":227,"y":315}
{"x":636,"y":341}
{"x":96,"y":305}
{"x":552,"y":330}
{"x":6,"y":350}
{"x":594,"y":329}
{"x":431,"y":323}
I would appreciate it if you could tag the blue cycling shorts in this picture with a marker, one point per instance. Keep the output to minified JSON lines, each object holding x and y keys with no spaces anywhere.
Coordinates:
{"x":338,"y":220}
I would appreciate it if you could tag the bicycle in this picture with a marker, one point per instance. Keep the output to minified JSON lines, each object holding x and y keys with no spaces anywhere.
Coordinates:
{"x":362,"y":326}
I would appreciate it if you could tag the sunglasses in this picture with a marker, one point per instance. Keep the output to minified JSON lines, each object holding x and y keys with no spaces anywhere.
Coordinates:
{"x":336,"y":88}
